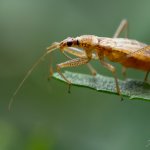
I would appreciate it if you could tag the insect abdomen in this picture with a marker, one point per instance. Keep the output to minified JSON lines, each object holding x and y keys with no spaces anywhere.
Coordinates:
{"x":120,"y":49}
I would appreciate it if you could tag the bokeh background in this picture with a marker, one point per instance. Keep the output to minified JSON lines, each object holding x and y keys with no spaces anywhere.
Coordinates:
{"x":44,"y":116}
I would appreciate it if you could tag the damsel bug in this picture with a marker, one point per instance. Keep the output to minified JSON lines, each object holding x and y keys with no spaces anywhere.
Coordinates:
{"x":128,"y":52}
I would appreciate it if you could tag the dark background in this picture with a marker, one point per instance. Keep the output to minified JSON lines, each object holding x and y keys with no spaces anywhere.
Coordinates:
{"x":44,"y":116}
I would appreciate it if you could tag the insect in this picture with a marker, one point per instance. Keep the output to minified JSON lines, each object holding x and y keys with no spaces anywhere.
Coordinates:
{"x":128,"y":52}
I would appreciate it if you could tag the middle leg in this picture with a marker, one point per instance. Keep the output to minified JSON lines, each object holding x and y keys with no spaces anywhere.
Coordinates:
{"x":113,"y":70}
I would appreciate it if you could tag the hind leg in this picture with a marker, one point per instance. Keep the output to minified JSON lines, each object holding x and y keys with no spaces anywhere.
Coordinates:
{"x":146,"y":77}
{"x":123,"y":26}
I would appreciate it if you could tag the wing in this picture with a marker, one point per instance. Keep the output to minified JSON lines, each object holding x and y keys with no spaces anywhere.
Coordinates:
{"x":124,"y":48}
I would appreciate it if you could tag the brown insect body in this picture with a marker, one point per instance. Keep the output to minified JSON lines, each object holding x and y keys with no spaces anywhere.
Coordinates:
{"x":130,"y":53}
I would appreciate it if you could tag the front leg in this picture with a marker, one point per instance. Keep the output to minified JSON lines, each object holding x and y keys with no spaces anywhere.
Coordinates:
{"x":81,"y":54}
{"x":71,"y":63}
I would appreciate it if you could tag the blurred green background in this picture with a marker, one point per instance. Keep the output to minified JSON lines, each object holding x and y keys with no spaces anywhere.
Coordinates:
{"x":44,"y":116}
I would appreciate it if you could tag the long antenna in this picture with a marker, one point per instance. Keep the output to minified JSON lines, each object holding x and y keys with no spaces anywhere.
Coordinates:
{"x":49,"y":50}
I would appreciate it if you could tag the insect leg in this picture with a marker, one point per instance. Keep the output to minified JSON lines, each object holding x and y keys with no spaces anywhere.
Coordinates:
{"x":124,"y":72}
{"x":110,"y":68}
{"x":146,"y":76}
{"x":80,"y":53}
{"x":123,"y":26}
{"x":71,"y":63}
{"x":75,"y":52}
{"x":92,"y":69}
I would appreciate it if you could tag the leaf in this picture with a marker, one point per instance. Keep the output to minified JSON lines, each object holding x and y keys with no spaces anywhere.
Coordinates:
{"x":134,"y":89}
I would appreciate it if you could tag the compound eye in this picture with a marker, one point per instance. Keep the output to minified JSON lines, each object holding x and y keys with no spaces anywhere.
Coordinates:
{"x":69,"y":43}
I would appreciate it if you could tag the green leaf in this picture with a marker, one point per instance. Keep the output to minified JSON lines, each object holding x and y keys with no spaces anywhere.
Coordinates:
{"x":134,"y":89}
